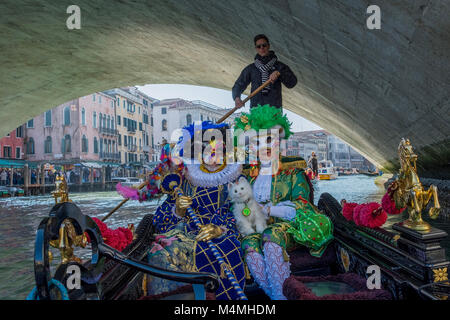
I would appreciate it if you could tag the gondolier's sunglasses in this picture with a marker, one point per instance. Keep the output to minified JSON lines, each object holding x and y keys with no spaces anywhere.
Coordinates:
{"x":259,"y":46}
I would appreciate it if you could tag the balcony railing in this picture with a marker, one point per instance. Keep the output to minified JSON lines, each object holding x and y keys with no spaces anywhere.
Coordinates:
{"x":108,"y":131}
{"x":110,"y":156}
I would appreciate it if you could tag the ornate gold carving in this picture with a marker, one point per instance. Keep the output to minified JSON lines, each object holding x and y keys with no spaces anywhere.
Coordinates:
{"x":440,"y":274}
{"x":66,"y":240}
{"x":61,"y":191}
{"x":345,"y":259}
{"x":410,"y":192}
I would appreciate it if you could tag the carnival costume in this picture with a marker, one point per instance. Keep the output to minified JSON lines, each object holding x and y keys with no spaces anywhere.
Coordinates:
{"x":287,"y":194}
{"x":176,"y":247}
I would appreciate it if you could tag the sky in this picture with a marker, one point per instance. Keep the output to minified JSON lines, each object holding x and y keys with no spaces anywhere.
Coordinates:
{"x":218,"y":97}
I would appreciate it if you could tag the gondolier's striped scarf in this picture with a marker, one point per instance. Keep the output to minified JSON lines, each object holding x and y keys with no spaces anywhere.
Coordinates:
{"x":265,"y":69}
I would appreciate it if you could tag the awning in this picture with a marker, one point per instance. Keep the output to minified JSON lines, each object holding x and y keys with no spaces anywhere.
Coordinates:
{"x":10,"y":163}
{"x":92,"y":165}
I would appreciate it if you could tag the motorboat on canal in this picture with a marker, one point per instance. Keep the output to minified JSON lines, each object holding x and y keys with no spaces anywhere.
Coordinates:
{"x":6,"y":192}
{"x":409,"y":260}
{"x":327,"y":171}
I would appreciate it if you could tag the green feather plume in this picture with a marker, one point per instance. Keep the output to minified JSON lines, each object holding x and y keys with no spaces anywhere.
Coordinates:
{"x":264,"y":117}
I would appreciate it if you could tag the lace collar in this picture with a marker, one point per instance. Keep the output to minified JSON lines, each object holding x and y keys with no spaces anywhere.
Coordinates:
{"x":207,"y":180}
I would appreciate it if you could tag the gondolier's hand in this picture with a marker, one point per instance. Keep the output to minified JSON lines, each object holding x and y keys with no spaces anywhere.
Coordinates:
{"x":181,"y":204}
{"x":274,"y":76}
{"x":238,"y":102}
{"x":208,"y":232}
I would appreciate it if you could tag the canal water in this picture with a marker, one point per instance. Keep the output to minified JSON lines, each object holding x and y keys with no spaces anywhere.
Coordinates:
{"x":20,"y":217}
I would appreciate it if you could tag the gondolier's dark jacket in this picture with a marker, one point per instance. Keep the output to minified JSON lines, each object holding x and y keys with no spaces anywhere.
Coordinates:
{"x":252,"y":74}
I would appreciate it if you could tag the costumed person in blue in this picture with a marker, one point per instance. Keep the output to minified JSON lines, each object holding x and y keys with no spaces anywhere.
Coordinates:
{"x":179,"y":244}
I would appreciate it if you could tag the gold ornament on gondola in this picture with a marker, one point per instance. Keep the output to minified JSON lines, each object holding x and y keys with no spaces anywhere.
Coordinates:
{"x":440,"y":274}
{"x":61,"y":192}
{"x":410,"y":192}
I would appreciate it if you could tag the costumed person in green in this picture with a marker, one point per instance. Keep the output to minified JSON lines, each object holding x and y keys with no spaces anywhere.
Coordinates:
{"x":281,"y":185}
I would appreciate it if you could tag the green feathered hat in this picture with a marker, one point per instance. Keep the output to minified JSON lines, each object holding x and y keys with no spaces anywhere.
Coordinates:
{"x":264,"y":117}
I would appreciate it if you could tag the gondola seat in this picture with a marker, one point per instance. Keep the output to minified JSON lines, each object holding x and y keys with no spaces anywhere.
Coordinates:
{"x":344,"y":286}
{"x":303,"y":263}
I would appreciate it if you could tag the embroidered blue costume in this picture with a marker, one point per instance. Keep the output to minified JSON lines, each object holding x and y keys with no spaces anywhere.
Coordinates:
{"x":209,"y":194}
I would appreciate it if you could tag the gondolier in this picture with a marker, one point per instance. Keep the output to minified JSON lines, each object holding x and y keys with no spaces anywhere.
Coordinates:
{"x":265,"y":67}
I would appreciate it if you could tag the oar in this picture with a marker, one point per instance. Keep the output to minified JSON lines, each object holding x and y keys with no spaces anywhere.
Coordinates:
{"x":229,"y":113}
{"x":143,"y":184}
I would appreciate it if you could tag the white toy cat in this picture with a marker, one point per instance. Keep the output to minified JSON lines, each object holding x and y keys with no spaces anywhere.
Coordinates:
{"x":248,"y":213}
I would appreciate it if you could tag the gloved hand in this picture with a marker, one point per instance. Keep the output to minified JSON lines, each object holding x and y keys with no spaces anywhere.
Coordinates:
{"x":181,"y":204}
{"x":208,"y":232}
{"x":285,"y":210}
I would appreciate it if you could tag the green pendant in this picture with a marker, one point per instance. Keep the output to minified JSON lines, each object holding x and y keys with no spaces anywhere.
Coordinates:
{"x":246,"y":211}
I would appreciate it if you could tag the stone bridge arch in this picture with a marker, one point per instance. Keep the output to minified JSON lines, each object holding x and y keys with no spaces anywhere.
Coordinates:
{"x":369,"y":87}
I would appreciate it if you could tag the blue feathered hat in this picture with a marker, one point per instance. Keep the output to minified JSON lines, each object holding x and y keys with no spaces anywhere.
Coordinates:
{"x":195,"y":127}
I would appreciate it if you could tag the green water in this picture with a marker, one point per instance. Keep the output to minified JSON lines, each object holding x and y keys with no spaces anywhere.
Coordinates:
{"x":20,"y":217}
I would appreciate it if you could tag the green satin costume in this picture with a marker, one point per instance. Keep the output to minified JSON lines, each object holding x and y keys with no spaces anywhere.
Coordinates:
{"x":309,"y":228}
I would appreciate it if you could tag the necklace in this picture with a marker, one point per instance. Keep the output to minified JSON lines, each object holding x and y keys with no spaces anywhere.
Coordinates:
{"x":202,"y":167}
{"x":246,"y":211}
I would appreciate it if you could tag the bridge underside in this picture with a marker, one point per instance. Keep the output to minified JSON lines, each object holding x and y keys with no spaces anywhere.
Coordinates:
{"x":369,"y":87}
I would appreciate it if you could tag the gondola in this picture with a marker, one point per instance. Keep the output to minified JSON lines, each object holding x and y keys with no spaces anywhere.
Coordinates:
{"x":412,"y":264}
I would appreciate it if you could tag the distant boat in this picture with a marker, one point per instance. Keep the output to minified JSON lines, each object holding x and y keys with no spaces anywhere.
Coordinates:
{"x":327,"y":171}
{"x":370,"y":174}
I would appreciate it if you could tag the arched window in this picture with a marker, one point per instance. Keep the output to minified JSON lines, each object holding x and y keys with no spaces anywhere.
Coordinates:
{"x":30,"y":146}
{"x":83,"y":117}
{"x":67,"y":116}
{"x":101,"y":146}
{"x":84,"y":144}
{"x":100,"y":119}
{"x":95,"y":145}
{"x":94,"y":120}
{"x":66,"y":144}
{"x":104,"y":121}
{"x":48,"y":145}
{"x":48,"y":118}
{"x":164,"y":125}
{"x":108,"y":123}
{"x":188,"y":119}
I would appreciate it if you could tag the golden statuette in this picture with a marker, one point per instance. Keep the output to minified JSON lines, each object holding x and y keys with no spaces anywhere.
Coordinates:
{"x":66,"y":240}
{"x":61,"y":192}
{"x":410,"y":192}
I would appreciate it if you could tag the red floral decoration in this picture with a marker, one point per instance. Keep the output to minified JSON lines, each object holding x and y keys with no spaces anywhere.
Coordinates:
{"x":388,"y":202}
{"x":347,"y":210}
{"x":372,"y":215}
{"x":356,"y":214}
{"x":118,"y":238}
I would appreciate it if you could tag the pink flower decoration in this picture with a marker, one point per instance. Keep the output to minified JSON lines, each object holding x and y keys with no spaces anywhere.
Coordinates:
{"x":388,"y":205}
{"x":347,"y":210}
{"x":372,"y":215}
